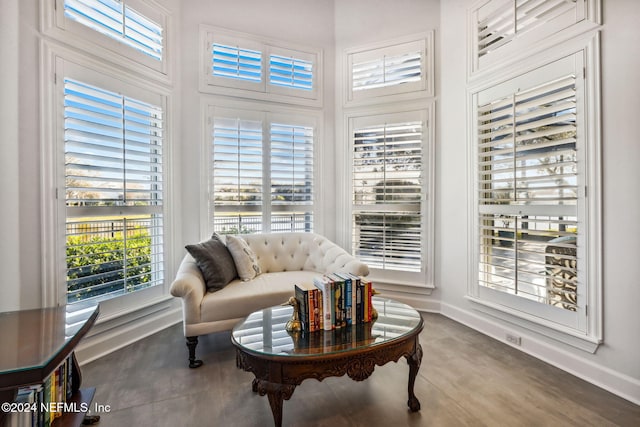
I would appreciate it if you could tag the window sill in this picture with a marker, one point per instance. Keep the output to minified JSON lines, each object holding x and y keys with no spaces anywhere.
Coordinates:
{"x":583,"y":342}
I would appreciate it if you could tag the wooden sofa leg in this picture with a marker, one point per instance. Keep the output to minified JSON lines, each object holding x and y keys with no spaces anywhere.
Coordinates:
{"x":192,"y":342}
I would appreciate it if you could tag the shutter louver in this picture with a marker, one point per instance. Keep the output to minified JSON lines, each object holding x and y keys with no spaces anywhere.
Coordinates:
{"x":118,"y":21}
{"x":387,"y":71}
{"x":237,"y":63}
{"x":291,"y":177}
{"x":113,"y":148}
{"x":387,"y":195}
{"x":290,"y":72}
{"x":528,"y":191}
{"x":237,"y":175}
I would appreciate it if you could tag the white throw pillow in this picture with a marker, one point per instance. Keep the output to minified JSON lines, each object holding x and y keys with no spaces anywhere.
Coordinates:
{"x":244,"y":258}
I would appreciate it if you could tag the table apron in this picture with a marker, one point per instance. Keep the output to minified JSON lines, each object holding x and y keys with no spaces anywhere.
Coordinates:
{"x":358,"y":365}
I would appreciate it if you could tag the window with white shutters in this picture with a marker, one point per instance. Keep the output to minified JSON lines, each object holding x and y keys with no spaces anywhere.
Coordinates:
{"x":532,"y":171}
{"x":113,"y":192}
{"x":386,"y":70}
{"x":262,"y":172}
{"x":131,"y":33}
{"x":388,"y":173}
{"x":504,"y":27}
{"x":260,"y":68}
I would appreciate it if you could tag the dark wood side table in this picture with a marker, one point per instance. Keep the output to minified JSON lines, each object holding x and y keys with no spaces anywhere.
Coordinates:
{"x":33,"y":343}
{"x":280,"y":360}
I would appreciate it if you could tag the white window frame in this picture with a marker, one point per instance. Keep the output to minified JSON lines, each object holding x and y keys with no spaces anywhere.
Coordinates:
{"x":56,"y":25}
{"x":263,"y":90}
{"x":401,"y":280}
{"x":267,"y":113}
{"x":55,"y":60}
{"x":583,"y":328}
{"x":562,"y":26}
{"x":422,"y":43}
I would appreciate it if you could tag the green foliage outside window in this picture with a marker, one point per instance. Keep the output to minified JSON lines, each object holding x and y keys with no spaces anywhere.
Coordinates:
{"x":98,"y":265}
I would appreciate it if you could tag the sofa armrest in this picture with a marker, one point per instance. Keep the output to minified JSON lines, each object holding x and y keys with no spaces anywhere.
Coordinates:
{"x":189,"y":285}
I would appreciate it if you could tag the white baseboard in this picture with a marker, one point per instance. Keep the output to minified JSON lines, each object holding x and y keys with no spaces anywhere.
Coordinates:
{"x":617,"y":383}
{"x":119,"y":331}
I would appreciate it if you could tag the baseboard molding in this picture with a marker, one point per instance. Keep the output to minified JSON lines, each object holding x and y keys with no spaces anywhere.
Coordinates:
{"x":117,"y":332}
{"x":615,"y":382}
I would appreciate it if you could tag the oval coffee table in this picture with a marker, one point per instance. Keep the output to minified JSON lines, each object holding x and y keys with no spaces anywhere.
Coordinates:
{"x":281,"y":360}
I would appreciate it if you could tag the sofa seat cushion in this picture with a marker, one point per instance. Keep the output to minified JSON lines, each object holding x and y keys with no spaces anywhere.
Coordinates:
{"x":240,"y":298}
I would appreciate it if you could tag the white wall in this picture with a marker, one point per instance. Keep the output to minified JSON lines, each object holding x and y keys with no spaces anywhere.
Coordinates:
{"x":9,"y":171}
{"x":20,"y":142}
{"x":616,"y":364}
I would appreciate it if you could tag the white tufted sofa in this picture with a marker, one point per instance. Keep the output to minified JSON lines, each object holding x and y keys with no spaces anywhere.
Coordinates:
{"x":284,"y":258}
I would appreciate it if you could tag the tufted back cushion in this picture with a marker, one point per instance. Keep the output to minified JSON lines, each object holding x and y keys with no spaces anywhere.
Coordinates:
{"x":278,"y":252}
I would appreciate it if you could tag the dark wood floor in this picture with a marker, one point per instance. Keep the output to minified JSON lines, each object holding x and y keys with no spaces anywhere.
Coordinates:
{"x":465,"y":379}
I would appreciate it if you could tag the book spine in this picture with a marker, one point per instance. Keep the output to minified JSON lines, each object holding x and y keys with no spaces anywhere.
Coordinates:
{"x":321,"y":284}
{"x":338,"y":298}
{"x":318,"y":295}
{"x":366,"y":302}
{"x":47,"y":401}
{"x":311,"y":305}
{"x":357,"y":294}
{"x":369,"y":301}
{"x":302,"y":297}
{"x":348,"y":296}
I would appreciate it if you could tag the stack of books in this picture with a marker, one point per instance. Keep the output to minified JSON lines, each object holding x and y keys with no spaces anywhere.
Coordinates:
{"x":39,"y":405}
{"x":334,"y":301}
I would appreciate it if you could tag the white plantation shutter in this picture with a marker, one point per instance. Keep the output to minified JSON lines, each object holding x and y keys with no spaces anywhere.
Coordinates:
{"x":262,"y":172}
{"x":500,"y":23}
{"x":290,"y":72}
{"x":237,"y":174}
{"x":388,"y":69}
{"x":387,"y":192}
{"x":113,"y":192}
{"x":528,"y":189}
{"x":528,"y":146}
{"x":291,"y":177}
{"x":117,"y":20}
{"x":237,"y":63}
{"x":113,"y":148}
{"x":262,"y":69}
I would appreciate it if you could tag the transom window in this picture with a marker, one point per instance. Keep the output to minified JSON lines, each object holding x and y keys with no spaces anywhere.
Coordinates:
{"x":119,"y":21}
{"x":247,"y":66}
{"x":391,"y":70}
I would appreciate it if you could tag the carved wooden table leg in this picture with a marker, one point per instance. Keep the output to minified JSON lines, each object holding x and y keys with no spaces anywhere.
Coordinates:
{"x":276,"y":393}
{"x":414,"y":364}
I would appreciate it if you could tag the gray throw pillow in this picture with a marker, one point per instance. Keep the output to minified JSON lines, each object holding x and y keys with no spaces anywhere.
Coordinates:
{"x":215,"y":262}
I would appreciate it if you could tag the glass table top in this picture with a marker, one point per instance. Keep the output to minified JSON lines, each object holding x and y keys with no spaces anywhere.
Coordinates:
{"x":30,"y":339}
{"x":264,"y":331}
